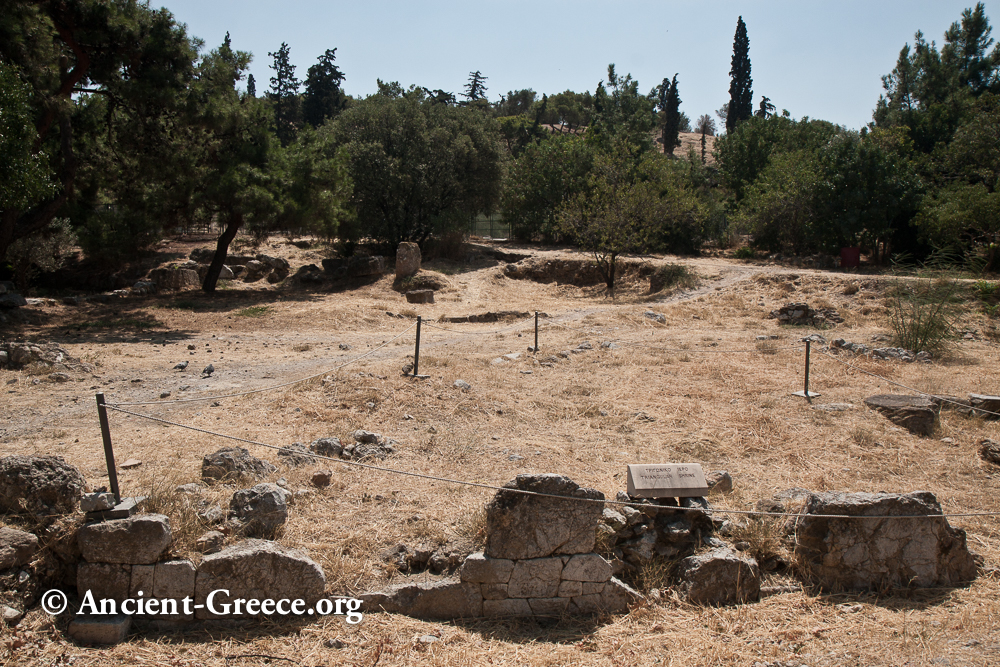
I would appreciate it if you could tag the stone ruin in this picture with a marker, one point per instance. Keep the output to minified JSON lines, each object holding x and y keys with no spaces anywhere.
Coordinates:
{"x":545,"y":555}
{"x":800,"y":313}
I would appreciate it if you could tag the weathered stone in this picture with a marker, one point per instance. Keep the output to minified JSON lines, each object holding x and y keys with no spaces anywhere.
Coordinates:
{"x":407,"y":259}
{"x":233,"y":464}
{"x":614,"y":598}
{"x":986,"y":405}
{"x":613,"y":519}
{"x":17,"y":548}
{"x":97,"y":502}
{"x":719,"y":481}
{"x":494,"y":591}
{"x":10,"y":616}
{"x":141,"y":580}
{"x":478,"y":568}
{"x":255,"y":270}
{"x":261,"y":510}
{"x":211,"y":542}
{"x":520,"y":526}
{"x":10,"y":301}
{"x":989,"y":451}
{"x":570,"y":589}
{"x":257,"y":570}
{"x":321,"y":478}
{"x":39,"y":484}
{"x":871,"y":554}
{"x":174,"y":279}
{"x":463,"y":385}
{"x":592,"y":587}
{"x":914,"y":413}
{"x":587,"y":567}
{"x":437,"y":600}
{"x":295,"y":455}
{"x":535,"y":578}
{"x":137,"y":540}
{"x":420,"y":296}
{"x":174,"y":580}
{"x":105,"y":581}
{"x":366,"y":437}
{"x":504,"y":608}
{"x":103,"y":630}
{"x":548,"y":606}
{"x":326,"y":447}
{"x":718,"y":577}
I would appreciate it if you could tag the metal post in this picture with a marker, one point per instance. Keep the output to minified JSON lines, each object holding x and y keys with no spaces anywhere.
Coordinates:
{"x":535,"y":350}
{"x":416,"y":351}
{"x":109,"y":453}
{"x":808,"y":346}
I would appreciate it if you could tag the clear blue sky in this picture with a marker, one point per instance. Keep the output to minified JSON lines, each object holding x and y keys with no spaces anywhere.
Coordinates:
{"x":818,"y":59}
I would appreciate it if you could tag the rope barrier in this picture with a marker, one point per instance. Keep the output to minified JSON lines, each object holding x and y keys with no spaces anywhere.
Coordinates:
{"x":482,"y":333}
{"x":494,"y":487}
{"x":272,"y":387}
{"x":943,"y":399}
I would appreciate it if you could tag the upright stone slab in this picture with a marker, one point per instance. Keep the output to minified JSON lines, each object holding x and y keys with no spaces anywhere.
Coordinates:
{"x":860,"y":554}
{"x":407,"y":259}
{"x":666,"y":480}
{"x":990,"y":404}
{"x":520,"y":526}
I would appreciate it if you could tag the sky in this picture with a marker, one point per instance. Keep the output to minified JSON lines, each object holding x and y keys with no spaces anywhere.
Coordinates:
{"x":818,"y":59}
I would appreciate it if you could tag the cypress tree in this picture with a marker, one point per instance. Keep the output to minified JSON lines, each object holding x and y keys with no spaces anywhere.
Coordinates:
{"x":251,"y":86}
{"x":672,"y":118}
{"x":284,"y":95}
{"x":741,"y":85}
{"x":324,"y":97}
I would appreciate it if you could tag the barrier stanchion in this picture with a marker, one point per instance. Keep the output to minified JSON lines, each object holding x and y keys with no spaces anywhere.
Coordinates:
{"x":416,"y":352}
{"x":535,"y":349}
{"x":109,"y":452}
{"x":805,"y":393}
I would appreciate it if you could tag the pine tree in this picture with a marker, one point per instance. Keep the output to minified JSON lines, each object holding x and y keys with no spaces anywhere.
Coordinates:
{"x":741,"y":86}
{"x":251,"y":86}
{"x":766,"y":109}
{"x":475,"y":89}
{"x":670,"y":102}
{"x":284,"y":95}
{"x":324,"y":97}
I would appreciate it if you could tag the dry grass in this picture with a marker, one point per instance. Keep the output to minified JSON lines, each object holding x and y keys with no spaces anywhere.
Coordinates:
{"x":698,"y":388}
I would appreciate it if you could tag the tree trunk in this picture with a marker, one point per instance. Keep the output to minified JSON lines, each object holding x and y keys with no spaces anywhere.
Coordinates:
{"x":612,"y":266}
{"x":221,"y":250}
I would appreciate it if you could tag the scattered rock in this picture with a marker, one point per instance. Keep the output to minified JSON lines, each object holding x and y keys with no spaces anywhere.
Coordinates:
{"x":137,"y":540}
{"x":524,"y":526}
{"x":858,"y":554}
{"x":719,"y":481}
{"x":260,"y":510}
{"x":656,"y":317}
{"x":799,"y":313}
{"x":103,"y":630}
{"x":174,"y":279}
{"x":719,"y":577}
{"x":321,"y":478}
{"x":211,"y":542}
{"x":295,"y":455}
{"x":257,"y":570}
{"x":97,"y":502}
{"x":914,"y":413}
{"x":989,"y":451}
{"x":10,"y":616}
{"x":17,"y":548}
{"x":463,"y":385}
{"x":988,"y":404}
{"x":326,"y":447}
{"x":255,"y":270}
{"x":420,"y":296}
{"x":233,"y":464}
{"x":43,"y":485}
{"x":128,"y":464}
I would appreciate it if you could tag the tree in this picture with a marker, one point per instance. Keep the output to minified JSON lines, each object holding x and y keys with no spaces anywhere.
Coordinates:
{"x":516,"y":103}
{"x":669,"y":103}
{"x":621,"y":114}
{"x":475,"y":89}
{"x":540,"y":180}
{"x":705,"y":125}
{"x":634,"y":202}
{"x":323,"y":97}
{"x":251,"y":86}
{"x":741,"y":85}
{"x":418,"y":167}
{"x":135,"y":59}
{"x":284,"y":95}
{"x":766,"y":109}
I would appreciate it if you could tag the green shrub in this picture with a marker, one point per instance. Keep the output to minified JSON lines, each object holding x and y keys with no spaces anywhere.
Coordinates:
{"x":252,"y":311}
{"x":746,"y":252}
{"x":921,"y":313}
{"x":671,"y":275}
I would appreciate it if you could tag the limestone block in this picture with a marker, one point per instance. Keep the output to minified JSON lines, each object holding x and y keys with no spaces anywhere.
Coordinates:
{"x":535,"y":578}
{"x":478,"y":568}
{"x":508,"y":607}
{"x":105,"y":630}
{"x":105,"y":581}
{"x":587,"y":567}
{"x":141,"y":580}
{"x":570,"y":589}
{"x":494,"y":591}
{"x":137,"y":540}
{"x":548,"y":606}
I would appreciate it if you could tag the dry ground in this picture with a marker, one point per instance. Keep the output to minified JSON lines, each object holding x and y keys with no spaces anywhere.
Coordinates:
{"x":696,"y":389}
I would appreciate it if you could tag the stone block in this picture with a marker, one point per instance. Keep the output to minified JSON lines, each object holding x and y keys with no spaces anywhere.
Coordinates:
{"x":17,"y":548}
{"x":407,"y":259}
{"x":478,"y":568}
{"x":174,"y":580}
{"x":535,"y":578}
{"x":548,"y":606}
{"x":138,"y":540}
{"x":718,"y":577}
{"x":39,"y":484}
{"x":510,"y":607}
{"x":445,"y":599}
{"x":494,"y":591}
{"x":420,"y":296}
{"x":104,"y":630}
{"x":521,"y":526}
{"x":916,"y":414}
{"x":592,"y":587}
{"x":587,"y":567}
{"x":141,"y":580}
{"x":105,"y":581}
{"x":570,"y":589}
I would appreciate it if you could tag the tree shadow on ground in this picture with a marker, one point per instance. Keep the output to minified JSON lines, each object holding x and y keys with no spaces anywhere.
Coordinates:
{"x":893,"y":599}
{"x":552,"y":630}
